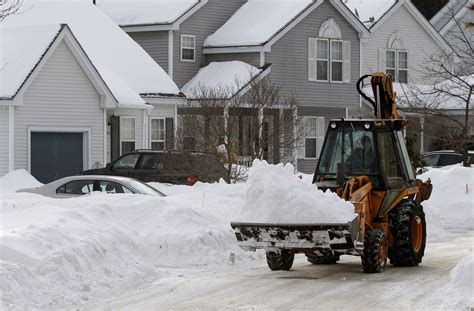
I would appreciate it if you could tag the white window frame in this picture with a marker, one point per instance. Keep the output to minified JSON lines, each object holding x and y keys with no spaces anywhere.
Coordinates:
{"x":135,"y":131}
{"x":305,"y":119}
{"x":164,"y":133}
{"x":194,"y":48}
{"x":328,"y":59}
{"x":397,"y":68}
{"x":336,"y":61}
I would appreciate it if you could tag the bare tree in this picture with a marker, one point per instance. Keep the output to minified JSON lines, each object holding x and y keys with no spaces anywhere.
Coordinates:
{"x":451,"y":74}
{"x":9,"y":7}
{"x":240,"y":123}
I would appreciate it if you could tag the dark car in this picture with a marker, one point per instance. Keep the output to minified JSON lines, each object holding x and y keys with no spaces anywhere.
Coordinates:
{"x":176,"y":167}
{"x":442,"y":158}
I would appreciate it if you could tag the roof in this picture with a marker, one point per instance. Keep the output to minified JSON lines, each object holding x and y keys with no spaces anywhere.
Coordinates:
{"x":369,"y":12}
{"x":17,"y":61}
{"x":145,"y":12}
{"x":225,"y":78}
{"x":446,"y":14}
{"x":124,"y":66}
{"x":256,"y":22}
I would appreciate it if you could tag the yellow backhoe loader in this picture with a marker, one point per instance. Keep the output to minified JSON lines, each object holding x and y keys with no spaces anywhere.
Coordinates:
{"x":365,"y":161}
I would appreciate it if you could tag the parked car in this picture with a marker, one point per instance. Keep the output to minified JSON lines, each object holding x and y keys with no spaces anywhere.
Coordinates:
{"x":76,"y":186}
{"x":442,"y":158}
{"x":176,"y":167}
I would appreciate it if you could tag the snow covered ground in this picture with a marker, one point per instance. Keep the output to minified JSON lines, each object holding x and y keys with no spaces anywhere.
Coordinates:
{"x":67,"y":253}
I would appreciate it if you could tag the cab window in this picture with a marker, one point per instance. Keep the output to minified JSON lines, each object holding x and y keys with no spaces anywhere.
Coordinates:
{"x":388,"y":158}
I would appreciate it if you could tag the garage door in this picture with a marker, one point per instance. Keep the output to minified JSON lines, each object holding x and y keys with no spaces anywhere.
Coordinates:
{"x":56,"y":155}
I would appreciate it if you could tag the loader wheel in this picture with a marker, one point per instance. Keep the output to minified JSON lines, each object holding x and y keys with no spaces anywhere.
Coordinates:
{"x":280,"y":261}
{"x":374,"y":256}
{"x":323,"y":259}
{"x":408,"y":226}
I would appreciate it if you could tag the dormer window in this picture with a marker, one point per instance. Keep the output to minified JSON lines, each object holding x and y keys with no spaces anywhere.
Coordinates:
{"x":188,"y":48}
{"x":328,"y":55}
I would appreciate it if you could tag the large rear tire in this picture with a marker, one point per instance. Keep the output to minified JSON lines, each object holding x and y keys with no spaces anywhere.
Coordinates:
{"x":326,"y":259}
{"x":374,"y":256}
{"x":408,"y":226}
{"x":282,"y":260}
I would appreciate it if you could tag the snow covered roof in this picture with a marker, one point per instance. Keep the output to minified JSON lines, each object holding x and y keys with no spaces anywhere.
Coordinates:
{"x":369,"y":12}
{"x":148,"y":12}
{"x":124,"y":66}
{"x":256,"y":22}
{"x":21,"y":48}
{"x":227,"y":77}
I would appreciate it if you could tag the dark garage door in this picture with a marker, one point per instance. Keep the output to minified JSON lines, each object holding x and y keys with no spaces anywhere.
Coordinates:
{"x":56,"y":155}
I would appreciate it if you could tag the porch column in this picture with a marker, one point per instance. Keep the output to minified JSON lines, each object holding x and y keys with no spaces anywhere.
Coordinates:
{"x":422,"y":134}
{"x":260,"y":133}
{"x":282,"y":133}
{"x":295,"y":139}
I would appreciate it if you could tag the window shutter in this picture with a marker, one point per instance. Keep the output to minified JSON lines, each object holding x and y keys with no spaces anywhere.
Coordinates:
{"x":382,"y":60}
{"x":169,"y":132}
{"x":346,"y":65}
{"x":114,"y":137}
{"x":301,"y":141}
{"x":320,"y":141}
{"x":311,"y":59}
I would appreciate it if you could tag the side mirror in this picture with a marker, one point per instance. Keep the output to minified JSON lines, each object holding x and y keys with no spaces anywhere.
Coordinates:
{"x":341,"y":174}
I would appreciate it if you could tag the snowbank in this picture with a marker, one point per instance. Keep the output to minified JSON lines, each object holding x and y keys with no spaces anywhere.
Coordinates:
{"x":451,"y":205}
{"x":458,"y":293}
{"x":19,"y":179}
{"x":275,"y":194}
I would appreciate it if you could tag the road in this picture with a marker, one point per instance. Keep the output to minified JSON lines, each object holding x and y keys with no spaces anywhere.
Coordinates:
{"x":306,"y":287}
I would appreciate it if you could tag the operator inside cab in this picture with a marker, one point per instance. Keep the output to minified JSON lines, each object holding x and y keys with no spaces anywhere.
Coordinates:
{"x":363,"y":160}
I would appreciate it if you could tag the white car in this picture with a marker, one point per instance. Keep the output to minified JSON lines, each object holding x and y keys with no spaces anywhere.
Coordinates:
{"x":76,"y":186}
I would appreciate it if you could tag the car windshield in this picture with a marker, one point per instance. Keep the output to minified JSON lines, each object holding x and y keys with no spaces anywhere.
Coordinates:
{"x":143,"y":188}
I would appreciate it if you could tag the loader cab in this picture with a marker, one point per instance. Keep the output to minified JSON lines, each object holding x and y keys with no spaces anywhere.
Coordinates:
{"x":374,"y":148}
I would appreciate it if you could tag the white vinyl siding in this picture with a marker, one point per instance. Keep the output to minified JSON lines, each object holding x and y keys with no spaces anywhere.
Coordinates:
{"x":61,"y":96}
{"x":313,"y":136}
{"x":127,"y":135}
{"x":188,"y":48}
{"x":329,"y":60}
{"x":3,"y":140}
{"x":157,"y":133}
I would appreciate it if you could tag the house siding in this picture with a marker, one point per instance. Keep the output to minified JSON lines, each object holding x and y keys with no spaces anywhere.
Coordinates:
{"x":201,"y":24}
{"x":289,"y":59}
{"x":418,"y":42}
{"x":3,"y":140}
{"x":155,"y":43}
{"x":60,"y":96}
{"x":249,"y":58}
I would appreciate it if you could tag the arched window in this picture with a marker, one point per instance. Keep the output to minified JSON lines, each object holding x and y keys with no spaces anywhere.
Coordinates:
{"x":329,"y":55}
{"x":396,"y":58}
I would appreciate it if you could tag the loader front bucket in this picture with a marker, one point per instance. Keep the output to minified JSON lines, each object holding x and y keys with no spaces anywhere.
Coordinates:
{"x":298,"y":238}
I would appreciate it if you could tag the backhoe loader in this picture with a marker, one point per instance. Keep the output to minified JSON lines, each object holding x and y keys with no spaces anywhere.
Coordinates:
{"x":365,"y":161}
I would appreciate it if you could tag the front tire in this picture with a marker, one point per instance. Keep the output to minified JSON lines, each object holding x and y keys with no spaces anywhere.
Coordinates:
{"x":408,"y":226}
{"x":282,"y":260}
{"x":374,"y":256}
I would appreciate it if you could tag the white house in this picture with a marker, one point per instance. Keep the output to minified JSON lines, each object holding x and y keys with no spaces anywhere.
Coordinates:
{"x":76,"y":91}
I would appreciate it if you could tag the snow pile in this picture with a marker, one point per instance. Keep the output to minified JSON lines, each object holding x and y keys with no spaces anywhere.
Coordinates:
{"x":19,"y":179}
{"x":458,"y":293}
{"x":451,"y":205}
{"x":275,"y":194}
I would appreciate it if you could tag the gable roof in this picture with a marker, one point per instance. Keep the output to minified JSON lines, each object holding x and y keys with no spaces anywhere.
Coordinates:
{"x":262,"y":22}
{"x":369,"y":12}
{"x":442,"y":19}
{"x":124,"y":66}
{"x":225,"y":78}
{"x":159,"y":13}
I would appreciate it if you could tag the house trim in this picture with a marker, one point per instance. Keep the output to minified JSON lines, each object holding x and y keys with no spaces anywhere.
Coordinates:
{"x":87,"y":141}
{"x":170,"y":54}
{"x":459,"y":15}
{"x":107,"y":99}
{"x":11,"y":138}
{"x":135,"y":131}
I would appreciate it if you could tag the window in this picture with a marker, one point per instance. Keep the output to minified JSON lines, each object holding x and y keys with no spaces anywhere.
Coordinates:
{"x":188,"y":48}
{"x":313,"y":136}
{"x":158,"y":134}
{"x":397,"y":65}
{"x":127,"y":135}
{"x":79,"y":187}
{"x":322,"y":59}
{"x":388,"y":159}
{"x":112,"y":187}
{"x":151,"y":162}
{"x":126,"y":162}
{"x":336,"y":60}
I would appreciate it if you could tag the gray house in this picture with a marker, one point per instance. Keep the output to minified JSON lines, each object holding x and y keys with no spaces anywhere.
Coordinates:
{"x":312,"y":48}
{"x":68,"y":101}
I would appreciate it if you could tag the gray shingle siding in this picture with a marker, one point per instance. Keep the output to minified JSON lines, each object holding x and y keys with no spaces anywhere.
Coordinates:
{"x":249,"y":58}
{"x":289,"y":59}
{"x":155,"y":43}
{"x":201,"y":24}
